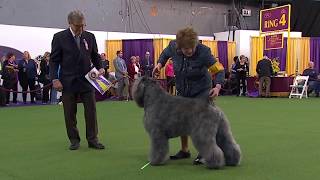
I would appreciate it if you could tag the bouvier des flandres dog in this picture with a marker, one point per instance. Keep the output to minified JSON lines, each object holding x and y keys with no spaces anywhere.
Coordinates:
{"x":167,"y":116}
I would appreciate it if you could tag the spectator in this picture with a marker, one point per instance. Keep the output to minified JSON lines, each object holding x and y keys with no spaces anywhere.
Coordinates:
{"x":246,"y":60}
{"x":1,"y":63}
{"x":133,"y":71}
{"x":131,"y":68}
{"x":121,"y":74}
{"x":233,"y":76}
{"x":314,"y":81}
{"x":241,"y":74}
{"x":44,"y":77}
{"x":147,"y":65}
{"x":54,"y":93}
{"x":138,"y":63}
{"x":104,"y":62}
{"x":27,"y":76}
{"x":170,"y":76}
{"x":2,"y":93}
{"x":10,"y":77}
{"x":233,"y":67}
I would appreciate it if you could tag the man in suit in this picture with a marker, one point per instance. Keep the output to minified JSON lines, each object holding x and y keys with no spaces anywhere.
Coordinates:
{"x":148,"y":65}
{"x":121,"y":73}
{"x":264,"y":70}
{"x":2,"y":93}
{"x":75,"y":50}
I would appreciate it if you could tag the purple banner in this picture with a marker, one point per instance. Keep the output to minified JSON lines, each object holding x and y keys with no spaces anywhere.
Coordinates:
{"x":275,"y":19}
{"x":274,"y":41}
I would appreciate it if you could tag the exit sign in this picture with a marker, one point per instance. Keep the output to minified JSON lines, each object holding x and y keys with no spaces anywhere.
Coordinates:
{"x":246,"y":12}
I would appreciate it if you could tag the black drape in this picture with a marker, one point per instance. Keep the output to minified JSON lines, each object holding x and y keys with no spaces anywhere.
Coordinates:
{"x":305,"y":17}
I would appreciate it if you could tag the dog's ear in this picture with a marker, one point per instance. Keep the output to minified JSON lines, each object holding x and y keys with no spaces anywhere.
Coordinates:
{"x":138,"y":91}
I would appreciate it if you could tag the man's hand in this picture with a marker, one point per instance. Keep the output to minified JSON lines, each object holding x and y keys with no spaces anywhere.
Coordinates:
{"x":101,"y":71}
{"x":56,"y":84}
{"x":156,"y":70}
{"x":214,"y":92}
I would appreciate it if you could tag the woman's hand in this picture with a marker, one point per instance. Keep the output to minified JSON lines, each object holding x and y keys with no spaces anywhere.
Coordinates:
{"x":214,"y":92}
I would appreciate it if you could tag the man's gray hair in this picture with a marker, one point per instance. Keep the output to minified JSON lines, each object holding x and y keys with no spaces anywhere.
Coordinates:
{"x":75,"y":15}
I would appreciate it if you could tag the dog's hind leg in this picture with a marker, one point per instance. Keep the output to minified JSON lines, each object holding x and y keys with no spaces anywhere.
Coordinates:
{"x":209,"y":150}
{"x":159,"y":150}
{"x":227,"y":143}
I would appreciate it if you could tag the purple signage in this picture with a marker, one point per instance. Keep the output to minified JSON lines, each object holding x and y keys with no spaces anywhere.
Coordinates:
{"x":275,"y":19}
{"x":274,"y":41}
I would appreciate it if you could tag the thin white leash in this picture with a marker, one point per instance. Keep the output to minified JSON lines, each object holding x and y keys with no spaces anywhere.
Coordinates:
{"x":144,"y":166}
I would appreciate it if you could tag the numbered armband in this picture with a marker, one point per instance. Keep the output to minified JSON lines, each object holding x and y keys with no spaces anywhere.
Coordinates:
{"x":215,"y":68}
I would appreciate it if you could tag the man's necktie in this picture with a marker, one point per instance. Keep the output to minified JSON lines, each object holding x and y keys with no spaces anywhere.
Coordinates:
{"x":77,"y":38}
{"x":122,"y":64}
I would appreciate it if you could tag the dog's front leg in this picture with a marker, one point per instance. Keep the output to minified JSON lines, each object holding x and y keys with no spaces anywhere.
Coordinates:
{"x":209,"y":150}
{"x":159,"y":149}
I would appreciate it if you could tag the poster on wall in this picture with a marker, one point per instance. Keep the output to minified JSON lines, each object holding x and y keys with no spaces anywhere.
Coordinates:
{"x":273,"y":41}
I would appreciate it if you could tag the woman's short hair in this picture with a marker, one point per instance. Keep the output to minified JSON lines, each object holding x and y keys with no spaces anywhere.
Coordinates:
{"x":132,"y":58}
{"x":187,"y":38}
{"x":118,"y":52}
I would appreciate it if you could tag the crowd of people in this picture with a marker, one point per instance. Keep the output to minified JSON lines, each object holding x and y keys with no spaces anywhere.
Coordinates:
{"x":28,"y":73}
{"x":126,"y":72}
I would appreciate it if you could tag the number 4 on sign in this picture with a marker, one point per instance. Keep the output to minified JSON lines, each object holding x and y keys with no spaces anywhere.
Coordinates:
{"x":283,"y":20}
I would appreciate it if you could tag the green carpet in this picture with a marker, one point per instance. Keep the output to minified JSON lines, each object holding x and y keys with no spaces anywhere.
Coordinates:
{"x":279,"y":138}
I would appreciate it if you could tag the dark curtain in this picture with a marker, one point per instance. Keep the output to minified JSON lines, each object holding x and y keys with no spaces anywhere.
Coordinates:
{"x":305,"y":17}
{"x":137,"y":47}
{"x":315,"y":52}
{"x":223,"y":53}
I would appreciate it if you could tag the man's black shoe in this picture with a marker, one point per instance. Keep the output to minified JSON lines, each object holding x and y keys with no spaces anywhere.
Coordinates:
{"x":96,"y":145}
{"x":198,"y":160}
{"x":74,"y":146}
{"x":181,"y":155}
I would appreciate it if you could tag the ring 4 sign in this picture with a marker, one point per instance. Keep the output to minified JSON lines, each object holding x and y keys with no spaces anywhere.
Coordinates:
{"x":275,"y":19}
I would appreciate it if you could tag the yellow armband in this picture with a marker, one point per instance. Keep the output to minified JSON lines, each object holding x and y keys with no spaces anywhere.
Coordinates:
{"x":215,"y":68}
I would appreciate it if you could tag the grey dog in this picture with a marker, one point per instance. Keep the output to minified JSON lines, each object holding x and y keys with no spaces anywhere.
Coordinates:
{"x":167,"y":116}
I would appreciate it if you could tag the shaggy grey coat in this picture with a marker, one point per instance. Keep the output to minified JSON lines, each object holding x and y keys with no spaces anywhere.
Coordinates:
{"x":167,"y":116}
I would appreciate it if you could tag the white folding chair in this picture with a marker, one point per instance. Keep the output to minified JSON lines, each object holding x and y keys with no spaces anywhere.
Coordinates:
{"x":299,"y":87}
